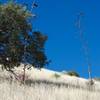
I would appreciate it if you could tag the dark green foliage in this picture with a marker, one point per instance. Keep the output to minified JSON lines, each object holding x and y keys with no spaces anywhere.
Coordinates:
{"x":72,"y":73}
{"x":16,"y":44}
{"x":56,"y":75}
{"x":36,"y":43}
{"x":97,"y":79}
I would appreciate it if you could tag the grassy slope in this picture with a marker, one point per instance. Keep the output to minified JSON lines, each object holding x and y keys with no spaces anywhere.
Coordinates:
{"x":46,"y":87}
{"x":42,"y":91}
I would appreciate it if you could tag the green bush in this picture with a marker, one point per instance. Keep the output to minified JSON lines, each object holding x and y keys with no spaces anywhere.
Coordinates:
{"x":72,"y":73}
{"x":56,"y":75}
{"x":97,"y":79}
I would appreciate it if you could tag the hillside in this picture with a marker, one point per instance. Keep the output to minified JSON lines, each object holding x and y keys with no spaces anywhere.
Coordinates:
{"x":46,"y":84}
{"x":50,"y":77}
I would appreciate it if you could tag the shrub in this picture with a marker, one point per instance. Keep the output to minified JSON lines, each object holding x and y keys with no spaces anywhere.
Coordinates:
{"x":72,"y":73}
{"x":56,"y":75}
{"x":97,"y":79}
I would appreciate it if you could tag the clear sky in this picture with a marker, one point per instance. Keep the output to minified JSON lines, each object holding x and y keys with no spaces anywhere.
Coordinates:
{"x":56,"y":19}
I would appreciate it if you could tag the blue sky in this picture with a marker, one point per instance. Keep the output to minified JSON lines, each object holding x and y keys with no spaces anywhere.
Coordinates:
{"x":56,"y":19}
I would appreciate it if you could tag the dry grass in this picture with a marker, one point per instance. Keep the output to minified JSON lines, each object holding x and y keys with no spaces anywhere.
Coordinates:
{"x":42,"y":91}
{"x":42,"y":85}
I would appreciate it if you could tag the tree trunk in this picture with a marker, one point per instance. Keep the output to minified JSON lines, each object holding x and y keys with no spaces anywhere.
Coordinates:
{"x":24,"y":74}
